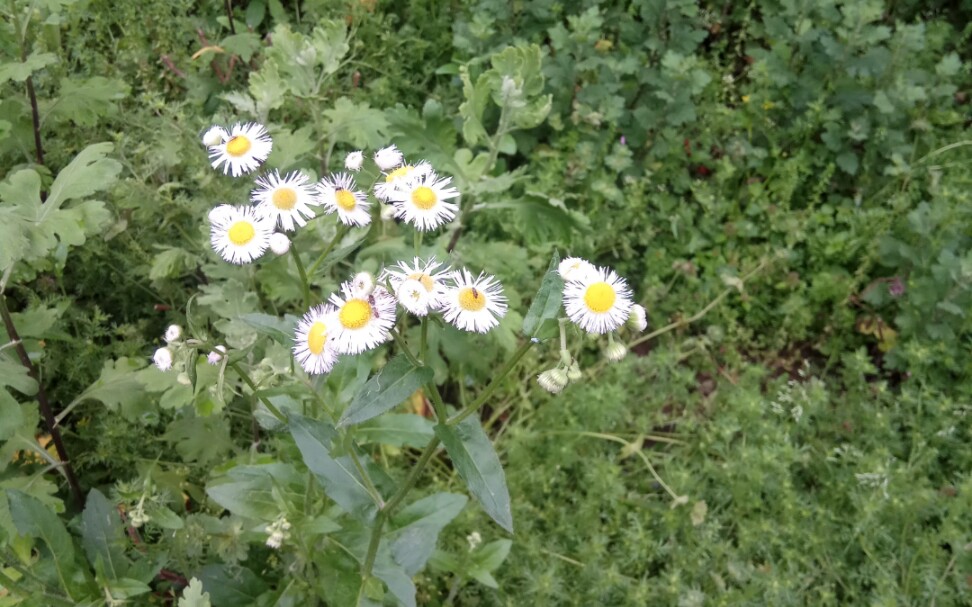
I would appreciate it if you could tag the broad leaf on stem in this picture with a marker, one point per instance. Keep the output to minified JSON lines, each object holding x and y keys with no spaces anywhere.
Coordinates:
{"x":397,"y":380}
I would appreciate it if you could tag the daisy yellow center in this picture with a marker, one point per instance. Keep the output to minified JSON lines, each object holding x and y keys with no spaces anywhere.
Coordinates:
{"x":424,"y":198}
{"x":355,"y":314}
{"x":425,"y":279}
{"x":284,"y":198}
{"x":237,"y":146}
{"x":345,"y":200}
{"x":241,"y":233}
{"x":471,"y":299}
{"x":599,"y":297}
{"x":401,"y":171}
{"x":316,"y":337}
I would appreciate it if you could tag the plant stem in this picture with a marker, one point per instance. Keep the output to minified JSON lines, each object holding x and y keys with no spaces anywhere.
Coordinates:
{"x":400,"y":341}
{"x":303,"y":276}
{"x":393,"y":503}
{"x":424,"y":343}
{"x":341,"y":231}
{"x":228,"y":5}
{"x":249,"y":382}
{"x":369,"y":485}
{"x":499,"y":377}
{"x":43,"y":404}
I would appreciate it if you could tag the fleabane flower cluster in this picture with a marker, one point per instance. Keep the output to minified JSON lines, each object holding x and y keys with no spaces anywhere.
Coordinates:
{"x":241,"y":234}
{"x":600,"y":302}
{"x":179,"y":352}
{"x":362,"y":314}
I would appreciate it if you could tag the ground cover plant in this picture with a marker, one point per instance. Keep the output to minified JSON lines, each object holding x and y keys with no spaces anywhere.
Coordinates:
{"x":487,"y":303}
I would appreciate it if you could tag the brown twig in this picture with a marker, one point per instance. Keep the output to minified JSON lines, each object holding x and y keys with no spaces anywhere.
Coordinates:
{"x":43,"y":403}
{"x":228,"y":4}
{"x":172,"y":66}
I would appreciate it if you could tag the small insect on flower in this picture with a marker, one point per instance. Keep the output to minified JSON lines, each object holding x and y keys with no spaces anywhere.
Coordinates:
{"x":422,"y":201}
{"x":474,"y":304}
{"x":214,"y":136}
{"x":575,"y":268}
{"x":162,"y":359}
{"x":339,"y":194}
{"x":388,"y":158}
{"x":363,"y":323}
{"x":286,"y":201}
{"x":600,"y":303}
{"x":398,"y":177}
{"x":238,"y":234}
{"x":314,"y":340}
{"x":353,"y":161}
{"x":216,"y":355}
{"x":279,"y":243}
{"x":173,"y":333}
{"x":243,"y":151}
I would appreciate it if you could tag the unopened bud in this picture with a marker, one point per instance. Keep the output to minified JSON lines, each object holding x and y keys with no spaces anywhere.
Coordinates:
{"x":553,"y":380}
{"x":638,"y":319}
{"x":574,"y":373}
{"x":615,"y":351}
{"x":565,"y":357}
{"x":363,"y":284}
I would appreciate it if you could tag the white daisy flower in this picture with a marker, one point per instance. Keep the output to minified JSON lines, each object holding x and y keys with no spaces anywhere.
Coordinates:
{"x":421,"y":201}
{"x":173,"y":333}
{"x":243,"y":151}
{"x":575,"y":268}
{"x":162,"y":359}
{"x":388,"y":158}
{"x":474,"y":304}
{"x":638,"y":319}
{"x":363,"y":284}
{"x":599,"y":303}
{"x":414,"y":297}
{"x":363,"y":323}
{"x":286,"y":200}
{"x":216,"y":355}
{"x":279,"y":243}
{"x":239,"y":235}
{"x":395,"y":179}
{"x":431,"y":274}
{"x":339,"y":194}
{"x":214,"y":136}
{"x":314,"y":340}
{"x":353,"y":161}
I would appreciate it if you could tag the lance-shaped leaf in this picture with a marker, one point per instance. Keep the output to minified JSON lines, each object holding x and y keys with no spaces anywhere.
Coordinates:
{"x":280,"y":330}
{"x":250,"y":490}
{"x":103,"y":535}
{"x":340,"y":479}
{"x":414,"y":541}
{"x":398,"y":380}
{"x":546,"y":303}
{"x":476,"y":461}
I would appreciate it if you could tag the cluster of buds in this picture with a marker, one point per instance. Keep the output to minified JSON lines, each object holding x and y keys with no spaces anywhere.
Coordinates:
{"x":278,"y":531}
{"x":164,"y":357}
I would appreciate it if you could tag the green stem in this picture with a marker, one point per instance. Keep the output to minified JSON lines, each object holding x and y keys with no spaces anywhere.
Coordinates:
{"x":370,"y":486}
{"x":424,"y":343}
{"x":440,"y":409}
{"x":499,"y":377}
{"x":341,"y":231}
{"x":393,"y":503}
{"x":404,"y":348}
{"x":303,"y":276}
{"x":266,"y":403}
{"x":417,"y":241}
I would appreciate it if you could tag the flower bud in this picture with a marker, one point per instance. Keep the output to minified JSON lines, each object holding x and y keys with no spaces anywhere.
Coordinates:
{"x":363,"y":284}
{"x":216,"y":355}
{"x":173,"y":333}
{"x":565,"y":357}
{"x":214,"y":136}
{"x":279,"y":243}
{"x":615,"y":351}
{"x":162,"y":359}
{"x":552,"y":380}
{"x":388,"y":158}
{"x":638,"y":319}
{"x":574,"y":372}
{"x":353,"y":161}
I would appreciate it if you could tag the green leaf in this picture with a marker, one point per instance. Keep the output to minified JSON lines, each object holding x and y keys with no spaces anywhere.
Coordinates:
{"x":488,"y":559}
{"x":545,"y":307}
{"x":244,"y":44}
{"x":171,"y":262}
{"x":251,"y":490}
{"x":119,"y":388}
{"x":103,"y":535}
{"x":85,"y":101}
{"x":19,"y":71}
{"x":357,"y":124}
{"x":32,"y":518}
{"x":337,"y":475}
{"x":11,"y":416}
{"x":231,"y":586}
{"x":193,"y":595}
{"x":200,"y":439}
{"x":398,"y":380}
{"x":280,"y":330}
{"x":419,"y":525}
{"x":396,"y":430}
{"x":14,"y":375}
{"x":91,"y":171}
{"x":479,"y":466}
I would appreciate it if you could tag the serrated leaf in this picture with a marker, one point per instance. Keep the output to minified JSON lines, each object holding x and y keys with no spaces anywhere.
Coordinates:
{"x":547,"y":302}
{"x":476,"y":461}
{"x":85,"y":101}
{"x":337,"y":475}
{"x":171,"y":262}
{"x":249,"y":490}
{"x":11,"y":416}
{"x":244,"y":44}
{"x":398,"y":380}
{"x":103,"y":535}
{"x":193,"y":595}
{"x":357,"y":124}
{"x":15,"y":375}
{"x":419,"y":525}
{"x":231,"y":585}
{"x":199,"y":439}
{"x":18,"y":71}
{"x":118,"y":387}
